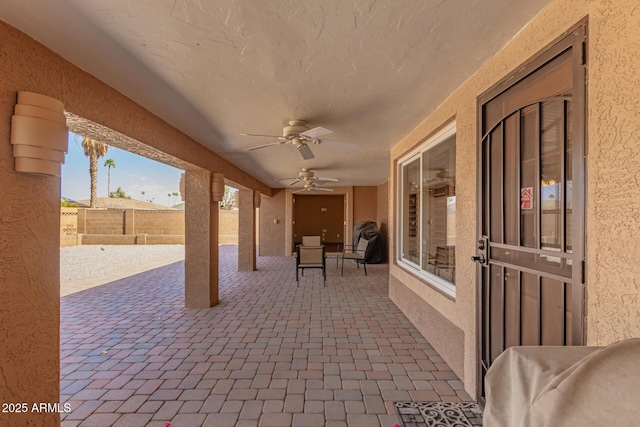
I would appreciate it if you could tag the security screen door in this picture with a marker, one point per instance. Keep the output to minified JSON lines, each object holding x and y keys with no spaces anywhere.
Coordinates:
{"x":532,"y":202}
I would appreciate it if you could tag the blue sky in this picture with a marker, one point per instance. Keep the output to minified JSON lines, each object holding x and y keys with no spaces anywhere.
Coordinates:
{"x":132,"y":172}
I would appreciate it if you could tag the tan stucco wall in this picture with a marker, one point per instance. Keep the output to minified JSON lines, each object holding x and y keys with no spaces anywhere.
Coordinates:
{"x":199,"y":211}
{"x":613,"y":223}
{"x":613,"y":212}
{"x":29,"y":257}
{"x":365,"y":204}
{"x":272,"y":234}
{"x":246,"y":230}
{"x":29,"y":239}
{"x":29,"y":283}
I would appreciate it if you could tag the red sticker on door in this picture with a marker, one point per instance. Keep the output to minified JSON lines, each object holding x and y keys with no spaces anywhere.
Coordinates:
{"x":526,"y":198}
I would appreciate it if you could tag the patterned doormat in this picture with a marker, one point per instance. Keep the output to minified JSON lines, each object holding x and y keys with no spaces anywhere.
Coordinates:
{"x":441,"y":414}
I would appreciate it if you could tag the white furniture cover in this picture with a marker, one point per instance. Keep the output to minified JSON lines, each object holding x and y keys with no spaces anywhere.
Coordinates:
{"x":565,"y":386}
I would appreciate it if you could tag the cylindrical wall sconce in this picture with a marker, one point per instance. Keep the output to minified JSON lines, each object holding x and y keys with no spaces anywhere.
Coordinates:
{"x":256,"y":199}
{"x":39,"y":134}
{"x":217,"y":187}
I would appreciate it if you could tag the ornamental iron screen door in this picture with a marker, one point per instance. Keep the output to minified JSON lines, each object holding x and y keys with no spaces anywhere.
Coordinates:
{"x":531,"y":210}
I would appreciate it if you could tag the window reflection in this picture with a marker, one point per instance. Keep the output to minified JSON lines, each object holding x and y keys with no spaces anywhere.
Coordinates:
{"x":439,"y":209}
{"x":427,"y":226}
{"x":411,"y":209}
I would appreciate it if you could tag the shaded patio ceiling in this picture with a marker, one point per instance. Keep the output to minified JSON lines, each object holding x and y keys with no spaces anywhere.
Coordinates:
{"x":369,"y":70}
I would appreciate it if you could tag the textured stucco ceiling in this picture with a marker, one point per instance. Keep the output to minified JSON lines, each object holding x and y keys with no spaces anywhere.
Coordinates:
{"x":369,"y":70}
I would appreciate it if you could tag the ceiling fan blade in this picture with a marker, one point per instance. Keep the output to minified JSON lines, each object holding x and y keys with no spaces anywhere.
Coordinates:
{"x":297,"y":180}
{"x":305,"y":151}
{"x":259,"y":134}
{"x":323,"y":178}
{"x":316,"y":132}
{"x":324,"y":189}
{"x":444,"y":175}
{"x":264,"y":146}
{"x":346,"y":145}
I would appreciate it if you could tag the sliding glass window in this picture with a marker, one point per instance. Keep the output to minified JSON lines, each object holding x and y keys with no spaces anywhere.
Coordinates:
{"x":427,"y":206}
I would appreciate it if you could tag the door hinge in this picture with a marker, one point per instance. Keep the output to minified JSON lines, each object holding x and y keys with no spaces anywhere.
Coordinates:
{"x":583,"y":54}
{"x":583,"y":273}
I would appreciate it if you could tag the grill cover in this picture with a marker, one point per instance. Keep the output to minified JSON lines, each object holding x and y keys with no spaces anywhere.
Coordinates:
{"x":369,"y":230}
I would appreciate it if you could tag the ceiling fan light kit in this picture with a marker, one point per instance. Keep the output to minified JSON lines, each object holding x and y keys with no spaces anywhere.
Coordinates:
{"x":311,"y":187}
{"x":309,"y":178}
{"x":300,"y":136}
{"x":295,"y":128}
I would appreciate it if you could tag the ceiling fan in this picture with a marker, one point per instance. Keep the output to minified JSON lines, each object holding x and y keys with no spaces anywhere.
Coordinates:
{"x":301,"y":136}
{"x":441,"y":177}
{"x":308,"y":176}
{"x":311,"y":187}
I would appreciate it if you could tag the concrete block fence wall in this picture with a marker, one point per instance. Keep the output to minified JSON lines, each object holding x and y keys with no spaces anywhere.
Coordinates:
{"x":80,"y":226}
{"x":130,"y":221}
{"x":228,"y":227}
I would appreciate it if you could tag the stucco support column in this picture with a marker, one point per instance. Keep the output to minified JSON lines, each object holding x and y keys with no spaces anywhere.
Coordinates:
{"x":246,"y":230}
{"x":201,"y":241}
{"x":214,"y":296}
{"x":29,"y":276}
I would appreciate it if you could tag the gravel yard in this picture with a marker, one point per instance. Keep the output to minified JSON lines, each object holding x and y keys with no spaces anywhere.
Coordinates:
{"x":86,"y":266}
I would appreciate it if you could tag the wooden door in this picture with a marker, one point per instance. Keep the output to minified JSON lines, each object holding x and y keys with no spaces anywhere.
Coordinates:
{"x":319,"y":215}
{"x":532,"y":205}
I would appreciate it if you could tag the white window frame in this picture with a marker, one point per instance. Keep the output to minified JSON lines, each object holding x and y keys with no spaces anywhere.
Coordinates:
{"x":438,"y":282}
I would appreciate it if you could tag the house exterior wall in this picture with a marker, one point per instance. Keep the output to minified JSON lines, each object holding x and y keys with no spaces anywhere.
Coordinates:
{"x":613,"y":171}
{"x":246,"y":230}
{"x":366,"y":210}
{"x":382,"y":215}
{"x":272,"y":224}
{"x":29,"y":239}
{"x":29,"y":290}
{"x":365,"y":204}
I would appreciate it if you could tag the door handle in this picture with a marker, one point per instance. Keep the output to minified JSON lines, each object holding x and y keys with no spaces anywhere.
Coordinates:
{"x":478,"y":258}
{"x":482,"y":256}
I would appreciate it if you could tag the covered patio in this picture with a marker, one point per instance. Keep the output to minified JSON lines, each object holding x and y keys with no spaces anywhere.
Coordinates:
{"x":196,"y":85}
{"x":270,"y":354}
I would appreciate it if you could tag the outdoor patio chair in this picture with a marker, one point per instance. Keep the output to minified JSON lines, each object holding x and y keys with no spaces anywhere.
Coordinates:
{"x":311,"y":241}
{"x":357,"y":254}
{"x":310,"y":257}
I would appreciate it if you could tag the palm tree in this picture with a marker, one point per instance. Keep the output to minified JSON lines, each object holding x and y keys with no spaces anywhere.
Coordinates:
{"x":94,"y":150}
{"x":109,"y":163}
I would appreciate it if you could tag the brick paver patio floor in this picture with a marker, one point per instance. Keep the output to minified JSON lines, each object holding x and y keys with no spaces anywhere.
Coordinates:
{"x":270,"y":354}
